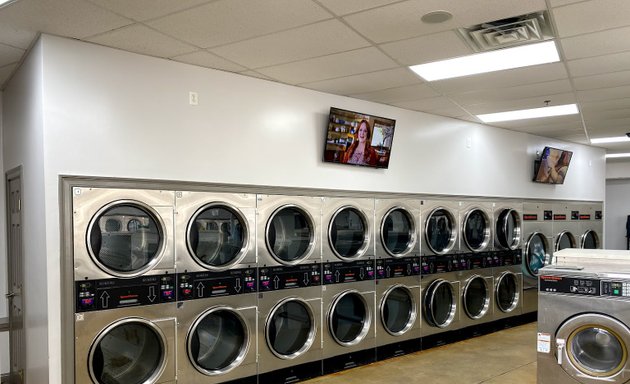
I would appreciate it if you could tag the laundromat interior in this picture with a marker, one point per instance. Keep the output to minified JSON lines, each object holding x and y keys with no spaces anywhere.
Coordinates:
{"x":280,"y":191}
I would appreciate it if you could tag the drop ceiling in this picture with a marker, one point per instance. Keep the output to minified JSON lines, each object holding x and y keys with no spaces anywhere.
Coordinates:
{"x":362,"y":48}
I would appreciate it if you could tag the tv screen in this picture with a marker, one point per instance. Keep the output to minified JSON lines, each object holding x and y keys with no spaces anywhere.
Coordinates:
{"x":358,"y":139}
{"x":552,"y":166}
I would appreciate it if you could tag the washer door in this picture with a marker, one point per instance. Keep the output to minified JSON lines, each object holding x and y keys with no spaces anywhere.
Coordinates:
{"x":130,"y":351}
{"x":290,"y":329}
{"x":476,"y":297}
{"x":564,"y":240}
{"x":125,"y":238}
{"x":476,"y":230}
{"x":398,"y":232}
{"x":290,"y":235}
{"x":536,"y":253}
{"x":349,"y":318}
{"x":398,"y":310}
{"x":217,"y":236}
{"x":440,"y":304}
{"x":508,"y":229}
{"x":507,"y":292}
{"x":593,"y":347}
{"x":218,"y":341}
{"x":590,"y":240}
{"x":440,"y":231}
{"x":348,"y":233}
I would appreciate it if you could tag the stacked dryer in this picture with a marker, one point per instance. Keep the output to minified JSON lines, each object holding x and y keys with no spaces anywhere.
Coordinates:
{"x":125,"y":326}
{"x":216,"y":265}
{"x":290,"y":304}
{"x":397,"y":277}
{"x":439,"y":263}
{"x":591,"y":226}
{"x":348,"y":292}
{"x":538,"y":234}
{"x":565,"y":226}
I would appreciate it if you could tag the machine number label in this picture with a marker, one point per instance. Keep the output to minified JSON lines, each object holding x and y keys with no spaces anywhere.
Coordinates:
{"x":544,"y":342}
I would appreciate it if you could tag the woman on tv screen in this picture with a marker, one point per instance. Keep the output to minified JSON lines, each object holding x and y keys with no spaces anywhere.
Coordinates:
{"x":361,"y":151}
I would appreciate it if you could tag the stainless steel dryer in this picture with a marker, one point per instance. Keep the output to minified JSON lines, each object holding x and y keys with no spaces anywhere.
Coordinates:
{"x":477,"y":295}
{"x":476,"y":219}
{"x":397,"y":222}
{"x":349,"y":230}
{"x":565,"y":226}
{"x":538,"y":230}
{"x":591,"y":226}
{"x":441,"y":227}
{"x":508,"y":233}
{"x":584,"y":325}
{"x":508,"y":285}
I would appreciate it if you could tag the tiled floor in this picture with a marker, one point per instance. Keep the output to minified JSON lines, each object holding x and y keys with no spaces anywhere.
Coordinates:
{"x":504,"y":357}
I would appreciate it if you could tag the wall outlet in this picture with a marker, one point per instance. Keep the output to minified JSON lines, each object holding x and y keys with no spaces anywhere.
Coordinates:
{"x":193,"y":98}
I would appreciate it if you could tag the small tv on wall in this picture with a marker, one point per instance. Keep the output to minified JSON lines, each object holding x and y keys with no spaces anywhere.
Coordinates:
{"x":553,"y":166}
{"x":358,"y":139}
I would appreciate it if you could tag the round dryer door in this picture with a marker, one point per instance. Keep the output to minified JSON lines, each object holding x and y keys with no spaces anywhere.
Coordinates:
{"x":440,"y":231}
{"x":536,"y":253}
{"x":126,"y":238}
{"x":290,"y":235}
{"x":290,"y":329}
{"x":593,"y":347}
{"x":218,"y":341}
{"x":508,"y":229}
{"x":440,"y":304}
{"x":131,"y":351}
{"x":349,"y":318}
{"x":217,"y":236}
{"x":564,"y":240}
{"x":398,"y":310}
{"x":590,"y":240}
{"x":398,"y":232}
{"x":476,"y":297}
{"x":508,"y":292}
{"x":476,"y":230}
{"x":348,"y":233}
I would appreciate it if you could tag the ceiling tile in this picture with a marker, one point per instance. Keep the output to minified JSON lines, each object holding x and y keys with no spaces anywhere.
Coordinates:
{"x":478,"y":108}
{"x":350,"y":6}
{"x":509,"y":78}
{"x":144,"y":40}
{"x":16,"y":37}
{"x":329,"y":67}
{"x":313,"y":40}
{"x":70,"y":18}
{"x":542,"y":90}
{"x":10,"y":55}
{"x":227,"y":21}
{"x":596,"y":106}
{"x":591,"y":16}
{"x":394,"y":95}
{"x":598,"y":117}
{"x":256,"y":75}
{"x":209,"y":60}
{"x":142,"y":10}
{"x":596,"y":44}
{"x":428,"y":104}
{"x":604,"y":93}
{"x":366,"y":82}
{"x":5,"y":73}
{"x":600,"y":64}
{"x":402,"y":20}
{"x":579,"y":138}
{"x":559,"y":3}
{"x":602,"y":81}
{"x":424,"y":49}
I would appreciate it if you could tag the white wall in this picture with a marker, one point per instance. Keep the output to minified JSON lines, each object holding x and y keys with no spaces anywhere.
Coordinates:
{"x":617,"y":169}
{"x":617,"y":211}
{"x":4,"y":311}
{"x":24,"y":145}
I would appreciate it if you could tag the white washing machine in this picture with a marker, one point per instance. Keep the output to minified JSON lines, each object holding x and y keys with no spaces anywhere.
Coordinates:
{"x":397,"y":228}
{"x":440,"y":226}
{"x":591,"y":226}
{"x":538,"y":235}
{"x":584,"y":325}
{"x":565,"y":226}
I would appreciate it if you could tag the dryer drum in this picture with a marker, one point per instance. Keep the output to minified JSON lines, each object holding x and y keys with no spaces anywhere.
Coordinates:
{"x":476,"y":297}
{"x":564,"y":240}
{"x":590,"y":240}
{"x":348,"y":233}
{"x":536,"y":253}
{"x":507,"y":292}
{"x":217,"y":342}
{"x":398,"y":310}
{"x":217,"y":236}
{"x":349,"y":318}
{"x":290,"y":328}
{"x":125,"y":238}
{"x":398,"y":232}
{"x":439,"y":304}
{"x":290,"y":235}
{"x":476,"y":230}
{"x":508,"y":229}
{"x":440,"y":231}
{"x":130,"y":351}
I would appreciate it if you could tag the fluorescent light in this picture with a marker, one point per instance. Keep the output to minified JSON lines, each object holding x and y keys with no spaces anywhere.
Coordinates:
{"x":507,"y":58}
{"x":558,"y":110}
{"x":616,"y":155}
{"x":615,"y":139}
{"x":4,"y":2}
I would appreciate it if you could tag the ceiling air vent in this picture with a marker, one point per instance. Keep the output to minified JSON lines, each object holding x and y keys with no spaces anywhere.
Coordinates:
{"x":518,"y":30}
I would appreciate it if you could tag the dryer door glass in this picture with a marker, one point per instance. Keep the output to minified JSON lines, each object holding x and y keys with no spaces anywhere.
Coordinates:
{"x":590,"y":240}
{"x":349,"y":319}
{"x":565,"y":240}
{"x":536,"y":255}
{"x":476,"y":298}
{"x":597,"y":351}
{"x":507,"y":292}
{"x":290,"y":329}
{"x":440,"y":304}
{"x":217,"y":235}
{"x":125,"y":238}
{"x":290,"y":235}
{"x":397,"y":232}
{"x":217,"y":342}
{"x":130,"y":353}
{"x":440,"y":231}
{"x":508,"y":229}
{"x":398,"y":312}
{"x":476,"y":231}
{"x":348,"y":233}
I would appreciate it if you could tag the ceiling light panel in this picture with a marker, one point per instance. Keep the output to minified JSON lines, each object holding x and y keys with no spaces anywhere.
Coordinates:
{"x":558,"y":110}
{"x":617,"y":155}
{"x":606,"y":140}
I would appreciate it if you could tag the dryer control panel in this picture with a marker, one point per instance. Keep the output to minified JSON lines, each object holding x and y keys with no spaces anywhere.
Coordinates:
{"x":577,"y":285}
{"x":201,"y":285}
{"x":340,"y":272}
{"x":300,"y":276}
{"x":403,"y":267}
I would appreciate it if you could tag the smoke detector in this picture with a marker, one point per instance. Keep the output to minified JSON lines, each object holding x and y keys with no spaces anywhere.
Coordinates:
{"x":517,"y":30}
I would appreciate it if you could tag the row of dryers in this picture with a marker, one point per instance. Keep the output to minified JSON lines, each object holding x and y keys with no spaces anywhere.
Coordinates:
{"x":214,"y":287}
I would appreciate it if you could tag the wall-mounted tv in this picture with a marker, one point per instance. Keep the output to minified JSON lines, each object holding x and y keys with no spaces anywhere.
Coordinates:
{"x":553,"y":166}
{"x":358,"y":139}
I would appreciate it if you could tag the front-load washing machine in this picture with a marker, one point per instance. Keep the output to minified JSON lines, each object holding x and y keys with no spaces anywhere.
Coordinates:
{"x":538,"y":235}
{"x":591,"y":226}
{"x":565,"y":226}
{"x":584,"y":325}
{"x":440,"y":227}
{"x":508,"y":285}
{"x":289,"y":323}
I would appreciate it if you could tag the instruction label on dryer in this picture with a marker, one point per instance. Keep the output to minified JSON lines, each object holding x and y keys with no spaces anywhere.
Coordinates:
{"x":544,"y":342}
